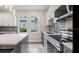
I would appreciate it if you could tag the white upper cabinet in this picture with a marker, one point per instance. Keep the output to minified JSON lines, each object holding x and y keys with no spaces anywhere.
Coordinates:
{"x":0,"y":20}
{"x":6,"y":16}
{"x":7,"y":20}
{"x":12,"y":20}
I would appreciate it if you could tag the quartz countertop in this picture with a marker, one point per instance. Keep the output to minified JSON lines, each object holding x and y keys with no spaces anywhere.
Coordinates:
{"x":6,"y":32}
{"x":68,"y":45}
{"x":12,"y":39}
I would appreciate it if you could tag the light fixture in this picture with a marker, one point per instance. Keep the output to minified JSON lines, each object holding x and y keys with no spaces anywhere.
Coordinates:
{"x":10,"y":8}
{"x":6,"y":6}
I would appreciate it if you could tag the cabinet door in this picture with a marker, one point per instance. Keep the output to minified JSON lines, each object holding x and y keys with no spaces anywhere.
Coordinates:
{"x":0,"y":20}
{"x":11,"y":20}
{"x":5,"y":20}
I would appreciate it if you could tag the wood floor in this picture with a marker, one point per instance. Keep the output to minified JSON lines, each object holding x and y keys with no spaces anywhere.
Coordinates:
{"x":33,"y":48}
{"x":37,"y":48}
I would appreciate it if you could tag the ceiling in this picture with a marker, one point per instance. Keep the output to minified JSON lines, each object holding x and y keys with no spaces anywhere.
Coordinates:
{"x":31,"y":7}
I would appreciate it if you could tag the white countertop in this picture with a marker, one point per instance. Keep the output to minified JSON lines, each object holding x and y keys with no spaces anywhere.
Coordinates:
{"x":7,"y":32}
{"x":68,"y":45}
{"x":12,"y":39}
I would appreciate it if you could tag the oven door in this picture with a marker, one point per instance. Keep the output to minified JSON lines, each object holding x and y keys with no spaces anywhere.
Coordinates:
{"x":55,"y":43}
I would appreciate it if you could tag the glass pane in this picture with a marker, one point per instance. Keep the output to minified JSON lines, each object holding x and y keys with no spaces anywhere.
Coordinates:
{"x":22,"y":24}
{"x":34,"y":24}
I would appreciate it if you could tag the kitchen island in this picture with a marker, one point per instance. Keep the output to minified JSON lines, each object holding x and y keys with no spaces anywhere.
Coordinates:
{"x":13,"y":41}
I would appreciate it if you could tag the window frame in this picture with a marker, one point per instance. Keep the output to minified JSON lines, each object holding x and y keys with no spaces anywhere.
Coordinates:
{"x":28,"y":24}
{"x":19,"y":23}
{"x":38,"y":25}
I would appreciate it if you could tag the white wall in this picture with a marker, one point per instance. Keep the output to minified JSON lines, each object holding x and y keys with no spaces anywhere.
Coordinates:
{"x":35,"y":37}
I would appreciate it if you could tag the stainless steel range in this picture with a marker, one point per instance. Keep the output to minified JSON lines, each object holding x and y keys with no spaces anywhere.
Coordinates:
{"x":57,"y":39}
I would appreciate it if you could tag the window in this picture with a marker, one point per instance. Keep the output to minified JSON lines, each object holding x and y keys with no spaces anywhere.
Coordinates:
{"x":22,"y":24}
{"x":28,"y":24}
{"x":34,"y":24}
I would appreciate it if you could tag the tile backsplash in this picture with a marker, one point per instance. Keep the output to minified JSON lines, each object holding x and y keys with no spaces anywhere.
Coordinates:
{"x":8,"y":28}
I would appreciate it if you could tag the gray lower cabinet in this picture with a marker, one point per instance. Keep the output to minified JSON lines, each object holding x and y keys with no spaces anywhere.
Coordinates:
{"x":42,"y":38}
{"x":25,"y":40}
